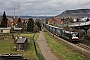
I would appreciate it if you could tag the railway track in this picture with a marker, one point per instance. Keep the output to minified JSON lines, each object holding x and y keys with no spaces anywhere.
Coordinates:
{"x":84,"y":49}
{"x":83,"y":46}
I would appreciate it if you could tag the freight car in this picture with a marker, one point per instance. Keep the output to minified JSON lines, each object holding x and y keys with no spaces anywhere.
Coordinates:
{"x":59,"y":31}
{"x":47,"y":27}
{"x":54,"y":30}
{"x":71,"y":36}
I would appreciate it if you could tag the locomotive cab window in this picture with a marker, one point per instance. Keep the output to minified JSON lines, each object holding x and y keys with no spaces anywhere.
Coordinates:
{"x":73,"y":35}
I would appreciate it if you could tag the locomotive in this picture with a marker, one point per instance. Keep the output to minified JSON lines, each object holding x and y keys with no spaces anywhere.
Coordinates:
{"x":61,"y":32}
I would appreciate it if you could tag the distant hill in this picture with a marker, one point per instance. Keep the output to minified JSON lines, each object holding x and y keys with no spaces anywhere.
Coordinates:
{"x":75,"y":13}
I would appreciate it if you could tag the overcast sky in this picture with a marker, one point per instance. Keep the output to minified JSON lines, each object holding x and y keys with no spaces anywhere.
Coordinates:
{"x":41,"y":7}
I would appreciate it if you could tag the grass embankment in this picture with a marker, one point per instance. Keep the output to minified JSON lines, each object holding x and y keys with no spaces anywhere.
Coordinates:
{"x":61,"y":51}
{"x":7,"y":46}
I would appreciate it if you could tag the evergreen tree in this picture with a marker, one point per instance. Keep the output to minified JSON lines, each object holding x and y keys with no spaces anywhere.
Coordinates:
{"x":30,"y":25}
{"x":4,"y":20}
{"x":19,"y":20}
{"x":19,"y":23}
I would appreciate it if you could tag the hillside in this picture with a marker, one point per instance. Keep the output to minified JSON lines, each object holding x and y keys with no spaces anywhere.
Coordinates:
{"x":75,"y":13}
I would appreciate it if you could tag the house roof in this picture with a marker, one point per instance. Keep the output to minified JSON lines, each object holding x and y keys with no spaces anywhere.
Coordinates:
{"x":17,"y":28}
{"x":50,"y":21}
{"x":9,"y":23}
{"x":21,"y":40}
{"x":15,"y":20}
{"x":11,"y":55}
{"x":58,"y":20}
{"x":8,"y":28}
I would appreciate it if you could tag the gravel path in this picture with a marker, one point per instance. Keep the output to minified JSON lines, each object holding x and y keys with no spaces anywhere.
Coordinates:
{"x":46,"y":51}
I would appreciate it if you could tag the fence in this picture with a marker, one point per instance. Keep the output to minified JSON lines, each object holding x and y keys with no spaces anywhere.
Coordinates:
{"x":5,"y":36}
{"x":37,"y":52}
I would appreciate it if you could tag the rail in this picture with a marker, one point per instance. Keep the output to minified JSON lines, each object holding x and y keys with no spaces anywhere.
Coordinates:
{"x":73,"y":46}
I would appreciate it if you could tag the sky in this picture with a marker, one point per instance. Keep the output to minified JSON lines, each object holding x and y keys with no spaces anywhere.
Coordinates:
{"x":41,"y":7}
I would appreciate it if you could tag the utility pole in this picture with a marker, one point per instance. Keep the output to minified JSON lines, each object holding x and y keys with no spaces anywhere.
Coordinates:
{"x":0,"y":13}
{"x":18,"y":10}
{"x":14,"y":11}
{"x":44,"y":19}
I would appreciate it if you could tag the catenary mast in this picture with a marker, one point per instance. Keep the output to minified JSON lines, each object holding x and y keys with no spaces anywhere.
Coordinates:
{"x":18,"y":10}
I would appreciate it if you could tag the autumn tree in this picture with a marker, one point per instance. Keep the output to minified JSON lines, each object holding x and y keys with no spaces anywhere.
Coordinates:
{"x":36,"y":29}
{"x":38,"y":23}
{"x":24,"y":25}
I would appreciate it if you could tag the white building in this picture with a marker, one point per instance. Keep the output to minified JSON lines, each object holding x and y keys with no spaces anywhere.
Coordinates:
{"x":5,"y":30}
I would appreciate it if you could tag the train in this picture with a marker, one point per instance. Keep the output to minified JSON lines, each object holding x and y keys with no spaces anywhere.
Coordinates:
{"x":71,"y":36}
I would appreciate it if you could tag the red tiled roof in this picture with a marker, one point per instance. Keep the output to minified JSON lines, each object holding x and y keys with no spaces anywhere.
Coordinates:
{"x":15,"y":20}
{"x":55,"y":20}
{"x":50,"y":21}
{"x":9,"y":23}
{"x":58,"y":20}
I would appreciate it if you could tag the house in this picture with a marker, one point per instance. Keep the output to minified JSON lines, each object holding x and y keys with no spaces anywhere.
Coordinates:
{"x":50,"y":21}
{"x":9,"y":23}
{"x":58,"y":22}
{"x":17,"y":29}
{"x":21,"y":43}
{"x":54,"y":21}
{"x":15,"y":21}
{"x":5,"y":30}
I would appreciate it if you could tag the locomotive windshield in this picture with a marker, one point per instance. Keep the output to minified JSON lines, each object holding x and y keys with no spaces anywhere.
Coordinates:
{"x":74,"y":35}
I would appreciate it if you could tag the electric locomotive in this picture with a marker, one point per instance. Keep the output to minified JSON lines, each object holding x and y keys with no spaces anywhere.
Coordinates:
{"x":71,"y":36}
